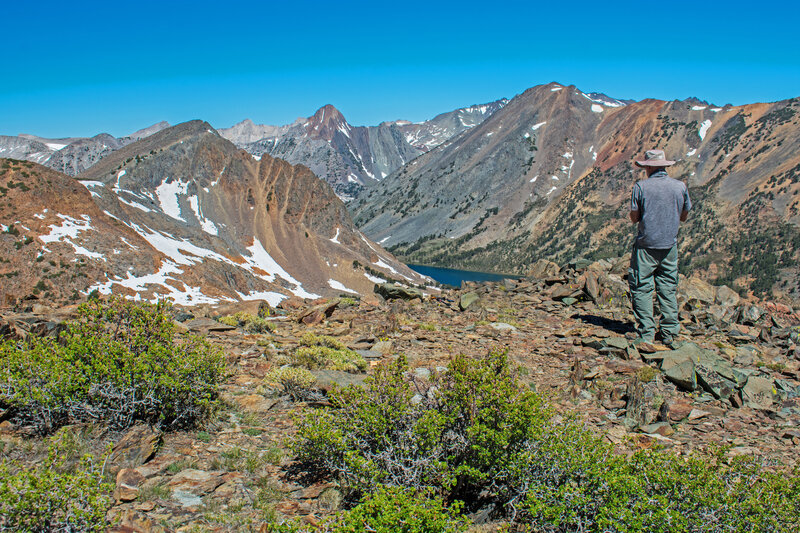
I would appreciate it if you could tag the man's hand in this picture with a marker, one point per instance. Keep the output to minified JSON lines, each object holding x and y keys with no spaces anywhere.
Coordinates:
{"x":636,"y":216}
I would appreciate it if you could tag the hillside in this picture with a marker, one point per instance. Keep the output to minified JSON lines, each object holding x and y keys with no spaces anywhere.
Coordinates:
{"x":550,"y":174}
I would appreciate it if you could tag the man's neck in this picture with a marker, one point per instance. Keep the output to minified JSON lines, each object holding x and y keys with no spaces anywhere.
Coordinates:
{"x":659,"y":172}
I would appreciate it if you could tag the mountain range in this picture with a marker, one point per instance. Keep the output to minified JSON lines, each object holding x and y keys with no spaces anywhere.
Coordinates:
{"x":549,"y":176}
{"x":182,"y":213}
{"x":497,"y":187}
{"x":350,"y":157}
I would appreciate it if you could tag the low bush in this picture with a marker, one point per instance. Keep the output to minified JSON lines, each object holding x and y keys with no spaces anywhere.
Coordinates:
{"x":389,"y":510}
{"x":473,"y":434}
{"x":119,"y":362}
{"x":248,"y":322}
{"x":292,"y":381}
{"x":324,"y":352}
{"x":396,"y":510}
{"x":52,"y":496}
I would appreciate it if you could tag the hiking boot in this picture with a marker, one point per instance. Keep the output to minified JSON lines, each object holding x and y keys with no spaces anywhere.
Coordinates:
{"x":667,"y":339}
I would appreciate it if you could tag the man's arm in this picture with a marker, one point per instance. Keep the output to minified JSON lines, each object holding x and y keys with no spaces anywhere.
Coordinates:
{"x":636,"y":210}
{"x":687,"y":204}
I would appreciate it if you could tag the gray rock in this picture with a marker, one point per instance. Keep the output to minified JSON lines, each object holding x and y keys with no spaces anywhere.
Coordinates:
{"x":502,"y":326}
{"x":726,"y":297}
{"x":712,"y":382}
{"x":759,"y":392}
{"x":749,"y":315}
{"x":620,"y":343}
{"x":422,"y":373}
{"x":393,"y":291}
{"x":681,"y":373}
{"x":467,"y":299}
{"x":186,"y":499}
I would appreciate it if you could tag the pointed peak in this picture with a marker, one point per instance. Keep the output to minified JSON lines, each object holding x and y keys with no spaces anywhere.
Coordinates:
{"x":326,"y":122}
{"x":328,"y":113}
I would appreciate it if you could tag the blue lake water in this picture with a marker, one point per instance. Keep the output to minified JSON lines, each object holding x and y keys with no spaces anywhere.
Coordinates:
{"x":454,"y":277}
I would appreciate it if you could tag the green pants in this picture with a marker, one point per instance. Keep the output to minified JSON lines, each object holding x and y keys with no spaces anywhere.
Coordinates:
{"x":654,"y":268}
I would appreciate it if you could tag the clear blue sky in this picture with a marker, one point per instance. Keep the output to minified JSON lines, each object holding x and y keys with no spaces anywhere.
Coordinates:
{"x":81,"y":68}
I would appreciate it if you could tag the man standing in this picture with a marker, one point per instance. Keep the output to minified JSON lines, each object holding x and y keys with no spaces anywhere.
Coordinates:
{"x":659,"y":204}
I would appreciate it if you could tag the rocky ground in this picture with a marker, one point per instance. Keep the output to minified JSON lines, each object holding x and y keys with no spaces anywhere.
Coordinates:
{"x":732,"y":379}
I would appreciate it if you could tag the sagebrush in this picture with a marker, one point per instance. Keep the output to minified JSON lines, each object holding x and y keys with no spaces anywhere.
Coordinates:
{"x":473,"y":434}
{"x":118,"y":362}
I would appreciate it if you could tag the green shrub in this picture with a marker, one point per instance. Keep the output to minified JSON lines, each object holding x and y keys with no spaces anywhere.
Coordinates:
{"x":395,"y":510}
{"x":52,"y":497}
{"x":250,"y":323}
{"x":293,"y":381}
{"x":119,"y":362}
{"x":455,"y":440}
{"x":326,"y":352}
{"x":476,"y":436}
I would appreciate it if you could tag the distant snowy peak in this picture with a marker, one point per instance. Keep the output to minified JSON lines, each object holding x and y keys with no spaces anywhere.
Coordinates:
{"x":326,"y":122}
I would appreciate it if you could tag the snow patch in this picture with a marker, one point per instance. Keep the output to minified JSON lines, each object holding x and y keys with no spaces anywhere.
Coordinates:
{"x":698,"y":107}
{"x":533,"y":179}
{"x":539,"y":125}
{"x":704,"y":129}
{"x":374,"y":279}
{"x":339,"y":286}
{"x":597,"y":108}
{"x":188,"y":296}
{"x":384,"y":239}
{"x":55,"y":146}
{"x":335,"y":237}
{"x":551,"y":190}
{"x":168,"y":193}
{"x":137,"y":205}
{"x":273,"y":298}
{"x":68,"y":230}
{"x":690,"y":153}
{"x":207,"y":225}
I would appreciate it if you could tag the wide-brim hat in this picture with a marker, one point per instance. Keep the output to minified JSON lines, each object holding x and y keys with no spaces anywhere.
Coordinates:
{"x":655,"y":158}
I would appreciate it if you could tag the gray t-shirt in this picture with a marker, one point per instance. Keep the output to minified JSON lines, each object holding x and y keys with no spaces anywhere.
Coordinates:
{"x":660,"y":200}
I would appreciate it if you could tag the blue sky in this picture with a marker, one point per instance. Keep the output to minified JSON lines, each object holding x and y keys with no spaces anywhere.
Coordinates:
{"x":81,"y":68}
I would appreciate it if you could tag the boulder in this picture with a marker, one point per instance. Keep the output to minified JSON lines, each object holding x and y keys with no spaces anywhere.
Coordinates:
{"x":697,"y":290}
{"x":749,"y":315}
{"x":544,"y":269}
{"x":467,"y":299}
{"x":318,"y":313}
{"x":137,"y":446}
{"x":726,"y":297}
{"x":395,"y":291}
{"x":759,"y":392}
{"x":127,"y":486}
{"x":682,"y":374}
